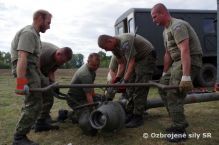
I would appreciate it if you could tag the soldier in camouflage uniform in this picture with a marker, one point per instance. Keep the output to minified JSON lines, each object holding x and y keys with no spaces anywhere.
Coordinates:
{"x":182,"y":62}
{"x":86,"y":74}
{"x":25,"y":52}
{"x":138,"y":55}
{"x":51,"y":58}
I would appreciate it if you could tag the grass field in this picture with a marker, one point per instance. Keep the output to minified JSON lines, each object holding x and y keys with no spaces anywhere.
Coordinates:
{"x":203,"y":118}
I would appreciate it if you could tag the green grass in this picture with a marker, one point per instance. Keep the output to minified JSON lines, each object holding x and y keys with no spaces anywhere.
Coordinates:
{"x":203,"y":118}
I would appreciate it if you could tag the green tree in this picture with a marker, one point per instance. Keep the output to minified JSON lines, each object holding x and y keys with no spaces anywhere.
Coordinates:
{"x":105,"y":60}
{"x":76,"y":61}
{"x":5,"y":60}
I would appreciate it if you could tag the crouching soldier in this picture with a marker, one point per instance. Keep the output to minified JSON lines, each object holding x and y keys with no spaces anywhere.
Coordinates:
{"x":78,"y":96}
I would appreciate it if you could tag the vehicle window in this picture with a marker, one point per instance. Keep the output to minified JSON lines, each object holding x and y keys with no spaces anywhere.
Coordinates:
{"x":131,"y":26}
{"x":120,"y":30}
{"x":208,"y":26}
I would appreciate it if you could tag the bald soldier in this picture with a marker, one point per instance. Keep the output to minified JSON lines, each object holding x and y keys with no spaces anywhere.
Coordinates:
{"x":25,"y":51}
{"x":51,"y":58}
{"x":138,"y":55}
{"x":182,"y":62}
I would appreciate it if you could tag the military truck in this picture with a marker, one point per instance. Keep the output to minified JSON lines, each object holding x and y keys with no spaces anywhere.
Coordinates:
{"x":203,"y":21}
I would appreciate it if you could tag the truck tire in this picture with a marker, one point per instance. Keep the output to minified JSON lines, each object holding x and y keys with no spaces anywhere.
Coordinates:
{"x":207,"y":75}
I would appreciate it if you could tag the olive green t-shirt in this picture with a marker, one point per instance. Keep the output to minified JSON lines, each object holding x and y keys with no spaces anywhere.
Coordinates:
{"x":82,"y":76}
{"x":47,"y":61}
{"x":140,"y":49}
{"x":177,"y":31}
{"x":28,"y":40}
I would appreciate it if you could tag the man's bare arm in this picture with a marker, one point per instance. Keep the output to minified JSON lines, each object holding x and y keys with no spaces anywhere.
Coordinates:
{"x":121,"y":67}
{"x":185,"y":57}
{"x":130,"y":69}
{"x":167,"y":61}
{"x":22,"y":64}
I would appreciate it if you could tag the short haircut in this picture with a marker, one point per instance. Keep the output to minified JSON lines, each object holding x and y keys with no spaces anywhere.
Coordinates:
{"x":93,"y":55}
{"x":160,"y":8}
{"x":42,"y":13}
{"x":67,"y":52}
{"x":102,"y":39}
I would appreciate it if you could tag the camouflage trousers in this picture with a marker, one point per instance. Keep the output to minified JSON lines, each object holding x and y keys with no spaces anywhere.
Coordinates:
{"x":137,"y":96}
{"x":32,"y":102}
{"x":174,"y":99}
{"x":47,"y":98}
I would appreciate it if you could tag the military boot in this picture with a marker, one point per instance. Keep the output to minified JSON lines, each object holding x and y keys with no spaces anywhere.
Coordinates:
{"x":22,"y":140}
{"x":172,"y":128}
{"x":177,"y":134}
{"x":136,"y":121}
{"x":62,"y":115}
{"x":43,"y":125}
{"x":128,"y":117}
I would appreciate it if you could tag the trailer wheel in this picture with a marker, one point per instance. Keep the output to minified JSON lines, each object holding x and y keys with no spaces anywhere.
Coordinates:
{"x":207,"y":75}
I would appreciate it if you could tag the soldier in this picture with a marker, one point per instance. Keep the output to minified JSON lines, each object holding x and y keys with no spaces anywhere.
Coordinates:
{"x":51,"y":58}
{"x":84,"y":75}
{"x":182,"y":62}
{"x":25,"y":52}
{"x":138,"y":55}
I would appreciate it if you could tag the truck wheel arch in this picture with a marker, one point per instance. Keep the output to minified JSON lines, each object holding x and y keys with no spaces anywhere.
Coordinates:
{"x":207,"y":75}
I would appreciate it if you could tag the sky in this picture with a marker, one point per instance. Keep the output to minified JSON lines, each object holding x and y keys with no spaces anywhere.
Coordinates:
{"x":78,"y":23}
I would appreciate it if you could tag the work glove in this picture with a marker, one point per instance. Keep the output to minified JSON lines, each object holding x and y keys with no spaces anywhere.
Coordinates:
{"x":110,"y":93}
{"x":186,"y":84}
{"x":116,"y":80}
{"x":216,"y":87}
{"x":122,"y":89}
{"x":21,"y":86}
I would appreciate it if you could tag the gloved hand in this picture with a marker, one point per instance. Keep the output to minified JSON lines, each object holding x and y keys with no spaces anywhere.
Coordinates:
{"x":122,"y":89}
{"x":116,"y":80}
{"x":186,"y":84}
{"x":21,"y":86}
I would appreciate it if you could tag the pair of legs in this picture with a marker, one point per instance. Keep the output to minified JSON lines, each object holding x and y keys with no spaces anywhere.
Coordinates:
{"x":174,"y":99}
{"x":137,"y":96}
{"x":31,"y":108}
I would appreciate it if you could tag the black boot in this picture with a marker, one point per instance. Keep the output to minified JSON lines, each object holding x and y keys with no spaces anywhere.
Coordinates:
{"x":42,"y":125}
{"x":136,"y":121}
{"x":128,"y":117}
{"x":177,"y":134}
{"x":172,"y":128}
{"x":62,"y":115}
{"x":22,"y":140}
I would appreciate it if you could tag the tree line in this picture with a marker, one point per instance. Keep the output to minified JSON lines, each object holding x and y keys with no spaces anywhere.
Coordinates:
{"x":76,"y":61}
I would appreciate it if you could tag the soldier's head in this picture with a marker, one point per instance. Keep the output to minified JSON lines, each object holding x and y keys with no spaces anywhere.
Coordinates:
{"x":107,"y":42}
{"x":63,"y":55}
{"x":42,"y":20}
{"x":93,"y":61}
{"x":160,"y":15}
